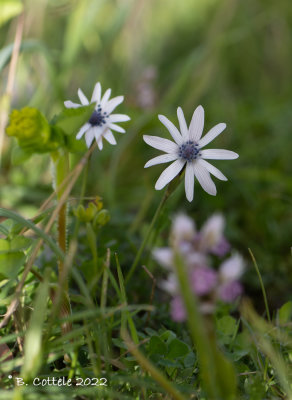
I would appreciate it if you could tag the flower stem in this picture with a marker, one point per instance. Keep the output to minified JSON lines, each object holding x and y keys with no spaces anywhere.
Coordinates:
{"x":169,"y":190}
{"x":262,"y":284}
{"x":147,"y":236}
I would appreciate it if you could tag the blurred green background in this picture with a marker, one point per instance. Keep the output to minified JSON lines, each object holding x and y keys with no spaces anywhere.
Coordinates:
{"x":231,"y":56}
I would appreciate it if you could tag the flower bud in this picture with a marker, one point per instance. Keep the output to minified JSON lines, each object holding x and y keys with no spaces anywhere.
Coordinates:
{"x":85,"y":214}
{"x":101,"y":218}
{"x":98,"y":203}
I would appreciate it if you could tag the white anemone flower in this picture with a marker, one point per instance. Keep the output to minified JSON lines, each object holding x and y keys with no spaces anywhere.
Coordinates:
{"x":188,"y":150}
{"x":102,"y":121}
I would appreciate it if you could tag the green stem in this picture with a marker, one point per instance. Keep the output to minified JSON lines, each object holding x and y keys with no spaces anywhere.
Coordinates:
{"x":262,"y":284}
{"x":197,"y":328}
{"x":82,"y":194}
{"x":92,"y":244}
{"x":61,"y":170}
{"x":170,"y":189}
{"x":61,"y":164}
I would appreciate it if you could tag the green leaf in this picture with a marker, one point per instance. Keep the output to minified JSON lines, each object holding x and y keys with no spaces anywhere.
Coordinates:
{"x":169,"y":363}
{"x":38,"y":231}
{"x":157,"y":346}
{"x":227,"y":327}
{"x":71,"y":119}
{"x":285,"y":313}
{"x":9,"y":9}
{"x":176,"y":349}
{"x":12,"y":257}
{"x":19,"y":155}
{"x":167,"y":336}
{"x":20,"y":243}
{"x":190,"y":360}
{"x":73,"y":145}
{"x":10,"y":264}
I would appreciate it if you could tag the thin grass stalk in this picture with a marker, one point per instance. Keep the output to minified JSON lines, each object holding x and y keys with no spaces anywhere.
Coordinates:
{"x":169,"y":190}
{"x":5,"y":100}
{"x":262,"y":284}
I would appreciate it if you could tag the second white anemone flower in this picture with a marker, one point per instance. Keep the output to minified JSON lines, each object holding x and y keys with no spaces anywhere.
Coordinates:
{"x":187,"y":150}
{"x":102,"y":121}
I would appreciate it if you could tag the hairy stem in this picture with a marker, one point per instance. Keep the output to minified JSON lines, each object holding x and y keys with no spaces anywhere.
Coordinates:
{"x":61,"y":170}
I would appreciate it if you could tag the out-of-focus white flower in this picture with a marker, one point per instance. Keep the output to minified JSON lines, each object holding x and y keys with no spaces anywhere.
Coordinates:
{"x":170,"y":284}
{"x":187,"y":151}
{"x":183,"y":228}
{"x":232,"y":268}
{"x":212,"y":230}
{"x":102,"y":121}
{"x":230,"y":271}
{"x":164,"y":256}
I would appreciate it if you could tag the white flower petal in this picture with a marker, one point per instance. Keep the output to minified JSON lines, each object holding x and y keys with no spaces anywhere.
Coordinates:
{"x":232,"y":268}
{"x":119,"y":118}
{"x":82,"y":98}
{"x":197,"y":124}
{"x":212,"y":231}
{"x":105,"y":97}
{"x":82,"y":130}
{"x":161,"y":143}
{"x":160,"y":160}
{"x":189,"y":181}
{"x":98,"y":132}
{"x":169,"y":173}
{"x":182,"y":124}
{"x":99,"y":144}
{"x":213,"y":170}
{"x":172,"y":129}
{"x":219,"y":154}
{"x":164,"y":256}
{"x":70,"y":104}
{"x":89,"y":136}
{"x":183,"y":227}
{"x":117,"y":128}
{"x":110,"y":137}
{"x":113,"y":103}
{"x":95,"y":98}
{"x":204,"y":179}
{"x":170,"y":284}
{"x":215,"y":131}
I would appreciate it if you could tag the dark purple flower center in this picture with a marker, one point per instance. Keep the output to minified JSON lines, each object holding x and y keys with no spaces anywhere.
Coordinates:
{"x":98,"y":117}
{"x":189,"y":151}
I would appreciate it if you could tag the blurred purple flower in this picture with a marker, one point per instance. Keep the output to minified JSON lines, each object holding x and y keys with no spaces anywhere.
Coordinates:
{"x":203,"y":280}
{"x":221,"y":248}
{"x":178,"y":312}
{"x":230,"y":291}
